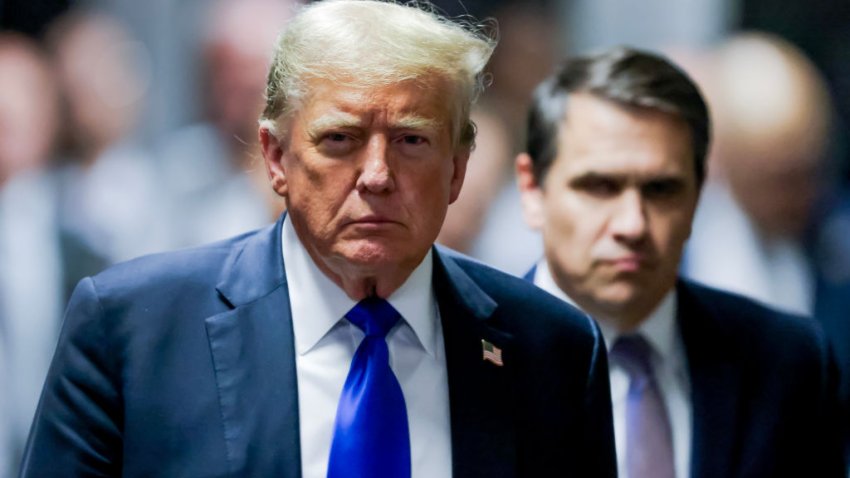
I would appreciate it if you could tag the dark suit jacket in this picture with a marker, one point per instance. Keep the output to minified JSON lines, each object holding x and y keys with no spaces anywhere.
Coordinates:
{"x":829,"y":257}
{"x":182,"y":365}
{"x":763,"y":389}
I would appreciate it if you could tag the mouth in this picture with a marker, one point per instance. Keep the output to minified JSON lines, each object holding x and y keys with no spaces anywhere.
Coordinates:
{"x":626,"y":264}
{"x":372,"y":221}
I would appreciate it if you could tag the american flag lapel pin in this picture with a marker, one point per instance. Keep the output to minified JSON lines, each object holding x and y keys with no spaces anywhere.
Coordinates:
{"x":491,"y":353}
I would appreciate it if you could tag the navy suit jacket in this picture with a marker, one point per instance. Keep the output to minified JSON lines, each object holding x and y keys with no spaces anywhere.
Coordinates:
{"x":182,"y":364}
{"x":763,"y":389}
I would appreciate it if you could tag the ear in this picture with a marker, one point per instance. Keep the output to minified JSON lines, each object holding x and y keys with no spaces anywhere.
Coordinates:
{"x":273,"y":156}
{"x":531,"y":193}
{"x":460,"y":160}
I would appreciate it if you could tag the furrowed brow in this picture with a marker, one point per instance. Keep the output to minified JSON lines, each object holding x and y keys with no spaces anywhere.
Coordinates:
{"x":416,"y":123}
{"x":333,"y":121}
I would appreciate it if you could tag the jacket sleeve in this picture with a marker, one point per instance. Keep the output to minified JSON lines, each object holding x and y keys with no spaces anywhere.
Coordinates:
{"x":77,"y":426}
{"x":599,"y":424}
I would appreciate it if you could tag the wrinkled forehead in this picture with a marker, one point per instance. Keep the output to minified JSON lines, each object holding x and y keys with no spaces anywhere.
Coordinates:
{"x":419,"y":102}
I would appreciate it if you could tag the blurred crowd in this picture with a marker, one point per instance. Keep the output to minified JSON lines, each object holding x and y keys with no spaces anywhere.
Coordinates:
{"x":80,"y":191}
{"x":81,"y":188}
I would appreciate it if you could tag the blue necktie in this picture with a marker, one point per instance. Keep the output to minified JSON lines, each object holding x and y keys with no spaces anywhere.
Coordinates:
{"x":371,"y":438}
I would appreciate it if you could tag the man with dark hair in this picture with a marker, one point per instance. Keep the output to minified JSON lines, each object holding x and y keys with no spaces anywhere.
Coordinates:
{"x":338,"y":342}
{"x":704,"y":383}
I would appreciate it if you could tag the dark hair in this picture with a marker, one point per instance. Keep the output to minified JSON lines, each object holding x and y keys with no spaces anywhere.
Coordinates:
{"x":623,"y":75}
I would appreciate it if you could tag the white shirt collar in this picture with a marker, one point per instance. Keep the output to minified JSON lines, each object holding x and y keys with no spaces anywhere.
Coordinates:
{"x":317,"y":304}
{"x":543,"y":279}
{"x":659,"y":329}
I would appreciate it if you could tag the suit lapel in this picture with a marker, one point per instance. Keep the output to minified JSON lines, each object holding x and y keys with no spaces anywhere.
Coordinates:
{"x":715,"y":382}
{"x":253,"y":356}
{"x":481,"y":394}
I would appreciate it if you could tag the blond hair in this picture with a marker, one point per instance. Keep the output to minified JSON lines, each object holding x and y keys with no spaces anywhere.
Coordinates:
{"x":366,"y":43}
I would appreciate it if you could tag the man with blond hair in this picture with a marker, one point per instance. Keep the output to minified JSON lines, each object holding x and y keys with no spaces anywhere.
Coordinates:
{"x":338,"y":341}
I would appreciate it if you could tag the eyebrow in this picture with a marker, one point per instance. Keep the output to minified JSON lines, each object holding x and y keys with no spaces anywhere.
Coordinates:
{"x":333,"y":121}
{"x":415,"y":123}
{"x":620,"y":177}
{"x":342,"y":120}
{"x":595,"y":176}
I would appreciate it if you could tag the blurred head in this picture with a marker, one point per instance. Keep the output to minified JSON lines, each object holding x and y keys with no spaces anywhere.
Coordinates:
{"x":237,"y":48}
{"x":773,"y":114}
{"x":526,"y":51}
{"x":104,"y":75}
{"x":366,"y":130}
{"x":28,"y":106}
{"x":611,"y":176}
{"x":624,"y":76}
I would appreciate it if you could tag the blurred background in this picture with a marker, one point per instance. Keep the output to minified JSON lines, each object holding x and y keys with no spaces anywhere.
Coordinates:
{"x":129,"y":127}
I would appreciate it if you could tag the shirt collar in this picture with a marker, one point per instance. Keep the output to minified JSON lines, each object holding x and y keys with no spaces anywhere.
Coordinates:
{"x":544,"y":280}
{"x":318,"y":304}
{"x":659,"y":328}
{"x":416,"y":303}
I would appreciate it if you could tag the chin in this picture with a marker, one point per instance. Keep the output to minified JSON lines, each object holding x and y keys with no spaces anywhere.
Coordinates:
{"x":370,"y":252}
{"x":629,"y":299}
{"x":619,"y":296}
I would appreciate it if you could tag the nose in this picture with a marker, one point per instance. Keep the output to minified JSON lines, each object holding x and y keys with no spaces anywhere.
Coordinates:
{"x":376,"y":175}
{"x":629,"y":223}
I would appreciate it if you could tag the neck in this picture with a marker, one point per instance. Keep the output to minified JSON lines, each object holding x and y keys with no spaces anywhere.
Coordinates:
{"x":622,"y":317}
{"x":622,"y":323}
{"x":360,"y":282}
{"x":359,"y":287}
{"x":619,"y":317}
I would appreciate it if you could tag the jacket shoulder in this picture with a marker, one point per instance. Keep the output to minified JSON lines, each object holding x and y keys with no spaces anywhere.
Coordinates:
{"x":196,"y":265}
{"x":755,"y":327}
{"x":521,"y":303}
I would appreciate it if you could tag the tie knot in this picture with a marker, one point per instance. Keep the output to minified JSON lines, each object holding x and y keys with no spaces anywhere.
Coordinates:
{"x":374,"y":316}
{"x":633,"y":353}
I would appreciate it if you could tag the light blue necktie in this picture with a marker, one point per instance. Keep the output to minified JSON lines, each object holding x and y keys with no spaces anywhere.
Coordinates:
{"x":371,"y":438}
{"x":649,"y":443}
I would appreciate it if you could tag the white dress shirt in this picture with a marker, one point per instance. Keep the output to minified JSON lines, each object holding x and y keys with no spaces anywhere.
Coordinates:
{"x":324,"y":346}
{"x":669,"y":364}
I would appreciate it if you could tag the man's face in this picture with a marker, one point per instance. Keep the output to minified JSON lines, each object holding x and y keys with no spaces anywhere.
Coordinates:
{"x":616,"y":206}
{"x":368,"y":173}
